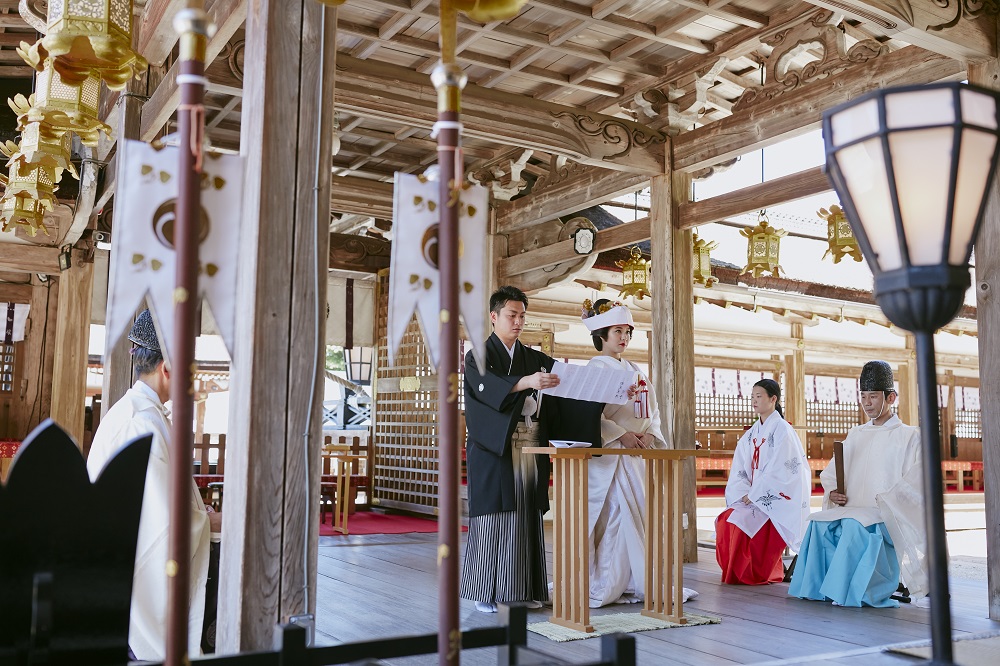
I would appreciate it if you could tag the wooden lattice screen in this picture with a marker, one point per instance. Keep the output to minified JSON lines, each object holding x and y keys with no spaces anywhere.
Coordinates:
{"x":405,"y":442}
{"x":722,"y":411}
{"x":827,"y":416}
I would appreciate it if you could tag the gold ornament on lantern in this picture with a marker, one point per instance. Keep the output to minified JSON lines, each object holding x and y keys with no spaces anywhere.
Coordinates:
{"x":702,"y":262}
{"x":763,"y":245}
{"x":87,"y":38}
{"x":635,"y":275}
{"x":485,"y":11}
{"x":839,"y":235}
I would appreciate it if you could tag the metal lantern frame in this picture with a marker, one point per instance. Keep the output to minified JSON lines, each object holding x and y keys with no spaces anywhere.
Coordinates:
{"x":635,"y":274}
{"x":702,"y":261}
{"x":915,"y":294}
{"x":360,"y":362}
{"x":68,"y":107}
{"x":770,"y":237}
{"x":839,"y":235}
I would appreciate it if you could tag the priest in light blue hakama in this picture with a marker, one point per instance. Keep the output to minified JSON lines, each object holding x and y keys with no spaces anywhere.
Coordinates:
{"x":865,"y":540}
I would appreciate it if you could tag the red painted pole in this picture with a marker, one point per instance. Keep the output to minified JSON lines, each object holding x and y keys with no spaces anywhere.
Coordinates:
{"x":194,"y":26}
{"x":448,"y":79}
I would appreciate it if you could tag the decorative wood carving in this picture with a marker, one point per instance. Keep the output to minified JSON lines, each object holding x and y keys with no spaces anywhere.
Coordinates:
{"x":359,"y":253}
{"x":548,"y":234}
{"x":560,"y":169}
{"x":620,"y":136}
{"x":503,"y":177}
{"x":783,"y":75}
{"x":232,"y":54}
{"x":682,"y":111}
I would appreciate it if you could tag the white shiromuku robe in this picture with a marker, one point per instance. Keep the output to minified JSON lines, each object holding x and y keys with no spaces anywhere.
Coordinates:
{"x":140,"y":412}
{"x":617,"y":502}
{"x":884,"y":484}
{"x":778,"y":486}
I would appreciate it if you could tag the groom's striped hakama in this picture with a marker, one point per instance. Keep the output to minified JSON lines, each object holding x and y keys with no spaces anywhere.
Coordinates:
{"x":505,"y":552}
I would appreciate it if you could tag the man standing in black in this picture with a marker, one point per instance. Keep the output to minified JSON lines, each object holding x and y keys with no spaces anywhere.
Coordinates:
{"x":508,"y":491}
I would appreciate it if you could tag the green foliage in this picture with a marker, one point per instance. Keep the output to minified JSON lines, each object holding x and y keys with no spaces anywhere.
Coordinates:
{"x":335,"y":358}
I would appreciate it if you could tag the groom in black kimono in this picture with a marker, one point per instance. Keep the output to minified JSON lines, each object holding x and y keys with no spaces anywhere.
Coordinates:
{"x":508,"y":491}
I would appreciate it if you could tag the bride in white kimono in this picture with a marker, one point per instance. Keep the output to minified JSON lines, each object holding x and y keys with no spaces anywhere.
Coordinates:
{"x":617,"y":506}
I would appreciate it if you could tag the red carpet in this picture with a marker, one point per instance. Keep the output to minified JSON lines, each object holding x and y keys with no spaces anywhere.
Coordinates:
{"x":369,"y":522}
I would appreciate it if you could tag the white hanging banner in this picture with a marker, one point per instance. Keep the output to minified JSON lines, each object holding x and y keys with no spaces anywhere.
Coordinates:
{"x":13,"y":318}
{"x":144,"y":261}
{"x":414,"y":278}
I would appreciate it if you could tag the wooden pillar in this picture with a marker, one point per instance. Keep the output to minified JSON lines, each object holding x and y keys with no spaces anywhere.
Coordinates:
{"x":672,"y":347}
{"x":948,"y":422}
{"x":272,"y":511}
{"x":117,"y":360}
{"x":69,"y":371}
{"x":988,"y":307}
{"x":35,"y":391}
{"x":907,"y":379}
{"x":794,"y":401}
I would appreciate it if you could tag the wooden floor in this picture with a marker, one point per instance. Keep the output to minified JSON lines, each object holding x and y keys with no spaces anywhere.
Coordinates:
{"x":385,"y":585}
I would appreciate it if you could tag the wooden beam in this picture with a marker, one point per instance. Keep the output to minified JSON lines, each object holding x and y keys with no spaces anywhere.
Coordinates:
{"x":359,"y":253}
{"x":749,"y":199}
{"x":799,"y":111}
{"x":557,"y":196}
{"x":908,"y":409}
{"x":29,"y":258}
{"x":156,"y":30}
{"x":361,"y":196}
{"x":621,"y":235}
{"x":925,"y":24}
{"x":15,"y":293}
{"x":398,"y":94}
{"x":228,"y":16}
{"x":69,"y":369}
{"x":273,"y":402}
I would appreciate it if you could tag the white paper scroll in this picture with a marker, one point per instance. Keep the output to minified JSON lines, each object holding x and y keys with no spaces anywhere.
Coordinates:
{"x":414,"y":278}
{"x":596,"y":383}
{"x":143,"y":258}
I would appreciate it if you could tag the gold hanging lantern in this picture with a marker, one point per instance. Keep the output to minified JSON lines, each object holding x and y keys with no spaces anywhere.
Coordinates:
{"x":763,"y":246}
{"x":702,"y":262}
{"x":63,"y":107}
{"x":635,"y":275}
{"x":41,"y":146}
{"x":839,"y":235}
{"x":88,"y":38}
{"x":485,"y":11}
{"x":21,"y":210}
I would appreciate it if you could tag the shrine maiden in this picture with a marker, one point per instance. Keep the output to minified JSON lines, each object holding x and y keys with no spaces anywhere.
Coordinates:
{"x":767,"y":494}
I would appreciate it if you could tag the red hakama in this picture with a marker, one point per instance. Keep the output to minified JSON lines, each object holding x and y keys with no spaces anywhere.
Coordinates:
{"x":747,"y":561}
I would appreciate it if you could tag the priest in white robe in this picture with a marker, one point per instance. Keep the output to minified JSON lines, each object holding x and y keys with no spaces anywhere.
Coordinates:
{"x":140,"y":412}
{"x":872,"y":534}
{"x":617,"y":493}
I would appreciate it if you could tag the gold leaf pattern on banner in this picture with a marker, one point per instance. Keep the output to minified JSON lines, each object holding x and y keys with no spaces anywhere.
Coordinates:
{"x":146,"y":170}
{"x":211,"y":270}
{"x":414,"y":279}
{"x":156,"y":264}
{"x":137,"y":258}
{"x":428,"y":283}
{"x":468,"y":287}
{"x":164,"y":176}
